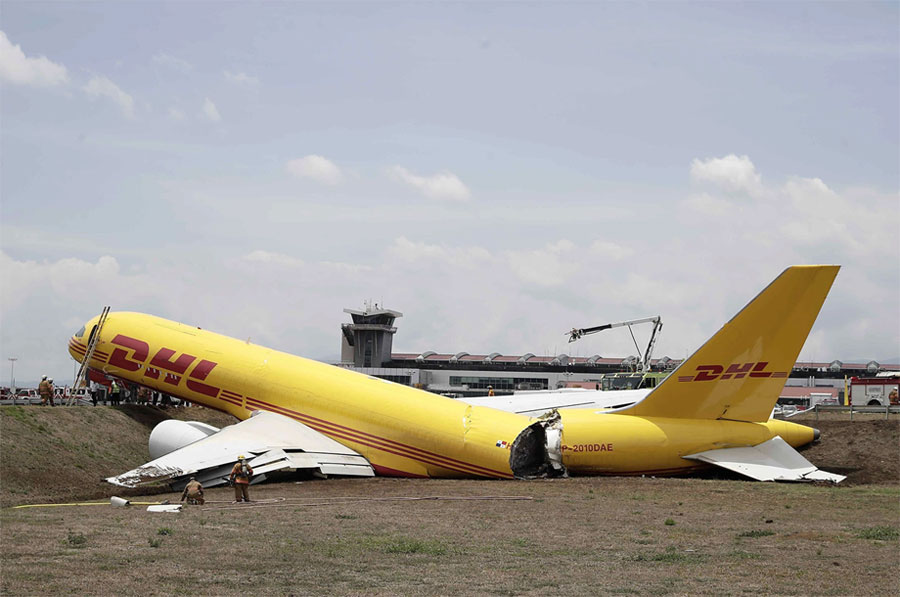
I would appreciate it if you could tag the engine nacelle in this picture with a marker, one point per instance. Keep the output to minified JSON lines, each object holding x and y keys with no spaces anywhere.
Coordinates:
{"x":172,"y":434}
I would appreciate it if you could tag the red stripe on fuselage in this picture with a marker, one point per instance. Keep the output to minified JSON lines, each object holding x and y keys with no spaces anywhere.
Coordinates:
{"x":413,"y":451}
{"x":392,"y":472}
{"x":231,"y":400}
{"x":383,"y":444}
{"x":378,"y":438}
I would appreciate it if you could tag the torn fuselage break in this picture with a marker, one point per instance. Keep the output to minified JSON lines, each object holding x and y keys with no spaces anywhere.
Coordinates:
{"x":537,"y":451}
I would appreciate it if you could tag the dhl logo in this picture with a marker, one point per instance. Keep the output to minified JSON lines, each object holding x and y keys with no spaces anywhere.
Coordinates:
{"x":734,"y":371}
{"x":133,"y":355}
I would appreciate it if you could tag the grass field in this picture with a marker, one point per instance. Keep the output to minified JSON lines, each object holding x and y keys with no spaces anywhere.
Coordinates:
{"x":586,"y":536}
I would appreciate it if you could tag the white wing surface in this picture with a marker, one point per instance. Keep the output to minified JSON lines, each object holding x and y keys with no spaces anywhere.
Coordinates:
{"x":538,"y":403}
{"x":270,"y":442}
{"x":772,"y":460}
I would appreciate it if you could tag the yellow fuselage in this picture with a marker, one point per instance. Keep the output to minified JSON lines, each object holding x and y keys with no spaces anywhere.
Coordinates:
{"x":402,"y":431}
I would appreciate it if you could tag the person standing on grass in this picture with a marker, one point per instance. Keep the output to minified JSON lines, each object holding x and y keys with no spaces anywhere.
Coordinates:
{"x":240,"y":476}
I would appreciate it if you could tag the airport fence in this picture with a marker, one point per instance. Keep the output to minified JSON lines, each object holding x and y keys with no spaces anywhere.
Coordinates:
{"x":839,"y":408}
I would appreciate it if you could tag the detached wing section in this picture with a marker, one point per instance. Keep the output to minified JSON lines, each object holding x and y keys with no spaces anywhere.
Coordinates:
{"x":270,"y":442}
{"x":772,"y":460}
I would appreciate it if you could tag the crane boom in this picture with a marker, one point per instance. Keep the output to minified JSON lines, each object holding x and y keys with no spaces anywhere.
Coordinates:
{"x":578,"y":333}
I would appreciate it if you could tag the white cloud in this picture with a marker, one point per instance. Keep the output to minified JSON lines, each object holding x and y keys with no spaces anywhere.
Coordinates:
{"x":18,"y":69}
{"x":176,"y":114}
{"x":799,"y":215}
{"x":241,"y":79}
{"x":101,"y":87}
{"x":316,"y":168}
{"x":442,"y":186}
{"x":210,"y":112}
{"x":170,"y":61}
{"x":550,"y":265}
{"x":732,"y":173}
{"x":706,"y":203}
{"x":409,"y":251}
{"x":63,"y":276}
{"x":270,"y":258}
{"x":610,"y":250}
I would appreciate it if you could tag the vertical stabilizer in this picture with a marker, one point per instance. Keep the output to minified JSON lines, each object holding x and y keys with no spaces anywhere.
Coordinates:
{"x":739,"y":372}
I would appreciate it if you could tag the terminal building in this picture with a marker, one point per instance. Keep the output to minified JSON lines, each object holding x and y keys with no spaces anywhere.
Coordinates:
{"x":367,"y":347}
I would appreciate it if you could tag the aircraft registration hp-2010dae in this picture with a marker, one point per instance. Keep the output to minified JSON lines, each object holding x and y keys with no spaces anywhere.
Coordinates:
{"x":297,"y":413}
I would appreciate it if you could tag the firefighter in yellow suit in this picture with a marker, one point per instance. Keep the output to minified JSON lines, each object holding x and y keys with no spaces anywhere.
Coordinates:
{"x":193,"y":492}
{"x":240,"y":476}
{"x":45,"y":389}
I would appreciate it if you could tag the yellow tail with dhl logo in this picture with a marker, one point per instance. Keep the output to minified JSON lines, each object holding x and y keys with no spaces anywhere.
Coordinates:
{"x":720,"y":398}
{"x":738,"y":374}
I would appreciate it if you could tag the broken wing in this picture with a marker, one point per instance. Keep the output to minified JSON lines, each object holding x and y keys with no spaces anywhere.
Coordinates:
{"x":270,"y":442}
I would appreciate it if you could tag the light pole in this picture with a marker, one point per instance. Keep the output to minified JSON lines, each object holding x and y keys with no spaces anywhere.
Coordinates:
{"x":12,"y":377}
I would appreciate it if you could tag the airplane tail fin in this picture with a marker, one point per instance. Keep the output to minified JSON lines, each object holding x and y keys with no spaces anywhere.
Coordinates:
{"x":739,"y":372}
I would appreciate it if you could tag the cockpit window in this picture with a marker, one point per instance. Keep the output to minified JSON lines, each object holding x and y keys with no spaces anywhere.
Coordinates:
{"x":80,"y":332}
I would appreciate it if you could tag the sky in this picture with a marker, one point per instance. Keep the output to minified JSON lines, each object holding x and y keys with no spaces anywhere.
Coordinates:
{"x":498,"y":172}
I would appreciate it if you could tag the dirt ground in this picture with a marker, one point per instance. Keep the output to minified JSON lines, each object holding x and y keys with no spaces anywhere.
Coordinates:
{"x":865,"y":450}
{"x":585,"y":536}
{"x":709,"y":535}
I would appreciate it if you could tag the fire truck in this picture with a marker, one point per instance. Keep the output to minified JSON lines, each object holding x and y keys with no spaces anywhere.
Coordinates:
{"x":880,"y":390}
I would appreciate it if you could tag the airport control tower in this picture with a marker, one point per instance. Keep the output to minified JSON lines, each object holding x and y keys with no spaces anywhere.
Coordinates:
{"x":367,"y":341}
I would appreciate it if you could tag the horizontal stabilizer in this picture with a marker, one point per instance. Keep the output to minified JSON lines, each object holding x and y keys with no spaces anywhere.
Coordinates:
{"x":772,"y":460}
{"x":271,"y":442}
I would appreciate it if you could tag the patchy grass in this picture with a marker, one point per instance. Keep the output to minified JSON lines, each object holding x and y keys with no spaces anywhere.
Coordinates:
{"x":556,"y":543}
{"x":755,"y":533}
{"x":879,"y":533}
{"x":75,"y":540}
{"x":671,"y":555}
{"x":407,"y":545}
{"x":739,"y":554}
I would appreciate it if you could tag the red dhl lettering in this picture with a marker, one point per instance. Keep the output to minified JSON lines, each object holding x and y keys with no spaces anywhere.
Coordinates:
{"x":734,"y":371}
{"x":133,"y":354}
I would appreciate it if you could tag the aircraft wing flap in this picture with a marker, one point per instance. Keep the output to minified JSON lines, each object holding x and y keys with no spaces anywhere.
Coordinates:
{"x":328,"y":464}
{"x":352,"y":469}
{"x":271,"y":442}
{"x":772,"y":460}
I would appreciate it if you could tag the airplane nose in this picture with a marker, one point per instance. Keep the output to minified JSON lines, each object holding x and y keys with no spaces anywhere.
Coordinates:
{"x":78,"y":344}
{"x":76,"y":349}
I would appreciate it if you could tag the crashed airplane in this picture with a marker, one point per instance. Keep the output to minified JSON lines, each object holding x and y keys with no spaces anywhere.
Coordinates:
{"x":299,"y":414}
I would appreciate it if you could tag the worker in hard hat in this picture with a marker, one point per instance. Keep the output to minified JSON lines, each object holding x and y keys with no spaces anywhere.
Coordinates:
{"x":240,"y":477}
{"x":45,"y":390}
{"x":193,"y":492}
{"x":490,"y":390}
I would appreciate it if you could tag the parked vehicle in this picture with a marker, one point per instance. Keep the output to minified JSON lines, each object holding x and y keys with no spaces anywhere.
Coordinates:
{"x":880,"y":390}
